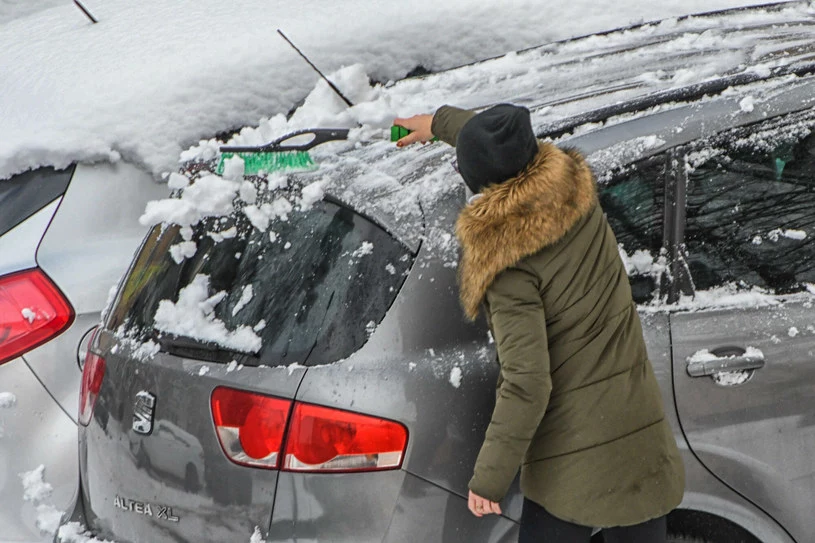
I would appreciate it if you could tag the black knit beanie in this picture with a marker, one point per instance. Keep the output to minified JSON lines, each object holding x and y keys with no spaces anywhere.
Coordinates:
{"x":495,"y":145}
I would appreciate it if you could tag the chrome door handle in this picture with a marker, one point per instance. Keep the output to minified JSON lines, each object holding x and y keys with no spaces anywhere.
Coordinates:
{"x":721,"y":362}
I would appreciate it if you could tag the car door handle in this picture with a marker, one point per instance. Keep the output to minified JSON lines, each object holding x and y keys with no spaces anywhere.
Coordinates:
{"x":719,"y":361}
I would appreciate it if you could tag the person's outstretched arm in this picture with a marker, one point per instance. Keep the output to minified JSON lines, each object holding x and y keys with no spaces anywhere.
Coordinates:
{"x":445,"y":124}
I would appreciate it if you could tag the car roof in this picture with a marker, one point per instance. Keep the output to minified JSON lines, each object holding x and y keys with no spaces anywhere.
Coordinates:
{"x":569,"y":83}
{"x":630,"y":74}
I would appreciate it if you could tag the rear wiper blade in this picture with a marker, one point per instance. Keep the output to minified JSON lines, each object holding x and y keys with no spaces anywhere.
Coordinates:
{"x":193,"y":348}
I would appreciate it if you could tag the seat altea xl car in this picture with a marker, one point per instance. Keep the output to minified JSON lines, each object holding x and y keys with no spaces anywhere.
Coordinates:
{"x":311,"y":376}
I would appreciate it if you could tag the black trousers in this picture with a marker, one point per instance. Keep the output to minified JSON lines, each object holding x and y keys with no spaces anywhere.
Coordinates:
{"x":538,"y":526}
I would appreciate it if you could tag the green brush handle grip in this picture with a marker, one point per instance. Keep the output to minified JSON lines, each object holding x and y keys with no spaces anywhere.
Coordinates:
{"x":399,"y":132}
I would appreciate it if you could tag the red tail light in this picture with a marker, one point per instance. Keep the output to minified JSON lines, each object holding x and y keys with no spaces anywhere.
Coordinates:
{"x":250,"y":426}
{"x":324,"y":439}
{"x":93,"y":372}
{"x":32,"y":311}
{"x":251,"y":429}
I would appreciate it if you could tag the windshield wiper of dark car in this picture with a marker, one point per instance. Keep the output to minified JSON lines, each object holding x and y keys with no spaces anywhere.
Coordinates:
{"x":200,"y":350}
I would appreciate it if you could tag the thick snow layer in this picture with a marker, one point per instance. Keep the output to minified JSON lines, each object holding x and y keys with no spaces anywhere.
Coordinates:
{"x":151,"y":78}
{"x":192,"y":316}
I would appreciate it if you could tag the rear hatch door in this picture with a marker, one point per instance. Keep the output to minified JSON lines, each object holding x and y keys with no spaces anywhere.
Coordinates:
{"x":204,"y":348}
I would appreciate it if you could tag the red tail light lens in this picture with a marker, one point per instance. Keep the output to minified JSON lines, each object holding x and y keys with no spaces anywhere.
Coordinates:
{"x":32,"y":311}
{"x":324,"y":439}
{"x":250,"y":426}
{"x":93,"y":372}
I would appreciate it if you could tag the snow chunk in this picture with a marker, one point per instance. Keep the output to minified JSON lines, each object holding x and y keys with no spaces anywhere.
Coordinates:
{"x":312,"y":194}
{"x":365,"y":249}
{"x":192,"y":317}
{"x":248,"y":192}
{"x":256,"y":537}
{"x":177,"y":181}
{"x":281,"y":208}
{"x":234,"y":168}
{"x":793,"y":331}
{"x":731,"y":378}
{"x":7,"y":400}
{"x":35,"y":489}
{"x":28,"y":315}
{"x":455,"y":376}
{"x":390,"y":269}
{"x":48,"y":518}
{"x":258,"y":216}
{"x":246,"y":297}
{"x":747,"y":104}
{"x":778,"y":233}
{"x":73,"y":532}
{"x":209,"y":196}
{"x":203,"y":371}
{"x":180,"y":251}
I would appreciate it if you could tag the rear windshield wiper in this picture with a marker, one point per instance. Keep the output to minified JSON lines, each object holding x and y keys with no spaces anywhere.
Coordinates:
{"x":188,"y":347}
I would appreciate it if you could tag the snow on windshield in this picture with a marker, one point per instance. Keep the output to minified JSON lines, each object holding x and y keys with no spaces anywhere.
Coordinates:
{"x":151,"y":78}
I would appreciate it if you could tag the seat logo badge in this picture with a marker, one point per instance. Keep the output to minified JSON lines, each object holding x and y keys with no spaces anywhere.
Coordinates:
{"x":143,"y":412}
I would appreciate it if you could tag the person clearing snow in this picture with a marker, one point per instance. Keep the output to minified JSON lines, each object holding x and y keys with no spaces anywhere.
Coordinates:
{"x":540,"y":256}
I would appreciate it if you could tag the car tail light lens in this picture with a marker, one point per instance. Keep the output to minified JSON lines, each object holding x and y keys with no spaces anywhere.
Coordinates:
{"x":324,"y":439}
{"x":250,"y":426}
{"x":93,"y":372}
{"x":32,"y":311}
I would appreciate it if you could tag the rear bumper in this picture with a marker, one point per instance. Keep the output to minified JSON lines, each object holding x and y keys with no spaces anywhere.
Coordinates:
{"x":74,"y":522}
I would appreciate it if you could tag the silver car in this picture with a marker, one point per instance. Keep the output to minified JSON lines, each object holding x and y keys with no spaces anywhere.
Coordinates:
{"x":66,"y":236}
{"x":321,"y":362}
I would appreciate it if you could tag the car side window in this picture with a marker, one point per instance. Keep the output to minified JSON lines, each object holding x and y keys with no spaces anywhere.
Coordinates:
{"x":634,"y":202}
{"x":751,"y":211}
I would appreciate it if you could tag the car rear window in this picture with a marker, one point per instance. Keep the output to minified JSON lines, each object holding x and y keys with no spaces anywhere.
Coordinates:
{"x":23,"y":195}
{"x":312,"y":288}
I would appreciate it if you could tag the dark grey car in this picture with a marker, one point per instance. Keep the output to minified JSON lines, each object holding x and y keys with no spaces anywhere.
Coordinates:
{"x":343,"y":397}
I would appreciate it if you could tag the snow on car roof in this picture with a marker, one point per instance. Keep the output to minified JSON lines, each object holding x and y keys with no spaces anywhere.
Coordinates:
{"x":391,"y":184}
{"x":152,"y":78}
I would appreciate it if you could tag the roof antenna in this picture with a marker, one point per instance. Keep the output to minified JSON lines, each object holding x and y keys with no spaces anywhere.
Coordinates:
{"x":85,"y":11}
{"x":330,"y":84}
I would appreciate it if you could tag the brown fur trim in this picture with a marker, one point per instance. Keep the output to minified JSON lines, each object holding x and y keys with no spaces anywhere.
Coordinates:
{"x":519,"y":217}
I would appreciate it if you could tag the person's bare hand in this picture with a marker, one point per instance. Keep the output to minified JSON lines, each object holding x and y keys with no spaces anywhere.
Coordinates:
{"x":482,"y":506}
{"x":419,"y":125}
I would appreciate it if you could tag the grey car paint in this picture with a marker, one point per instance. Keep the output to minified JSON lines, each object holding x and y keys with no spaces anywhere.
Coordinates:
{"x":85,"y":251}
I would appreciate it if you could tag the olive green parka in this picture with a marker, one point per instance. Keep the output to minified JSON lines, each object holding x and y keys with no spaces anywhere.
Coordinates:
{"x":578,"y":407}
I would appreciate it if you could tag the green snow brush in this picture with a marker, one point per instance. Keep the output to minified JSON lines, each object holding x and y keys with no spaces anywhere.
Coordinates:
{"x":278,"y":156}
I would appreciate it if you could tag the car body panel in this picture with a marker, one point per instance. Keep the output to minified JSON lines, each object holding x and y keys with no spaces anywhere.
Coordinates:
{"x":18,"y":247}
{"x":85,"y":253}
{"x":34,"y":432}
{"x":757,"y":436}
{"x":223,"y":498}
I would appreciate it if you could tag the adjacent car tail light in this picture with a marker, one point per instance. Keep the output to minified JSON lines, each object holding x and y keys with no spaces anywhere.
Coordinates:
{"x":32,"y":311}
{"x":256,"y":430}
{"x":93,"y":372}
{"x":325,"y":439}
{"x":250,"y":426}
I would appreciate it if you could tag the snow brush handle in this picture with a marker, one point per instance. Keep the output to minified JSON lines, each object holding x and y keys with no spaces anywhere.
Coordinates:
{"x":321,"y":135}
{"x":399,"y":132}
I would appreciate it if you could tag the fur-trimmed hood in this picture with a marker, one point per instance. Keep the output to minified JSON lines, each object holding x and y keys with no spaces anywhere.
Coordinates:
{"x":519,"y":217}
